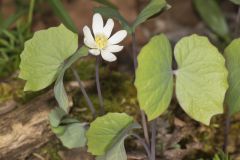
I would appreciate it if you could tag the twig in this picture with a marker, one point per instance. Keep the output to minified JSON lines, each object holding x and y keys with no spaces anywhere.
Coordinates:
{"x":89,"y":102}
{"x":102,"y":110}
{"x":143,"y":118}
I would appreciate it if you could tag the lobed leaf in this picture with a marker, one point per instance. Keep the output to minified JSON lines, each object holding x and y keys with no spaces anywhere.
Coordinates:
{"x":108,"y":131}
{"x":44,"y":54}
{"x":232,"y":56}
{"x":154,"y":78}
{"x":201,"y":78}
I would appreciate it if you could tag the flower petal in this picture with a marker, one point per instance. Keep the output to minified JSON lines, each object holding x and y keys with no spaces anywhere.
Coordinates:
{"x":97,"y":24}
{"x":94,"y":52}
{"x":108,"y":56}
{"x":108,"y":27}
{"x":88,"y":35}
{"x":118,"y":37}
{"x":89,"y":43}
{"x":114,"y":48}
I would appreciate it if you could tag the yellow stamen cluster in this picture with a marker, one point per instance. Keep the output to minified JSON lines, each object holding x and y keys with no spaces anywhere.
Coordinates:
{"x":101,"y":41}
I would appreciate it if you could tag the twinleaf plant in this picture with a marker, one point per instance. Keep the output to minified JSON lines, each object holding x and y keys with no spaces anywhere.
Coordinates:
{"x":199,"y":82}
{"x":201,"y":77}
{"x":214,"y":18}
{"x":232,"y":53}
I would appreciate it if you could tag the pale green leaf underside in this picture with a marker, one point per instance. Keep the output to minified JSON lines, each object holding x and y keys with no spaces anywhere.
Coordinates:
{"x":232,"y":55}
{"x":201,"y":79}
{"x":237,"y":2}
{"x":44,"y":54}
{"x":70,"y":131}
{"x":211,"y":13}
{"x":74,"y":136}
{"x":154,"y":79}
{"x":56,"y":116}
{"x":154,"y":7}
{"x":59,"y":90}
{"x":106,"y":131}
{"x":117,"y":152}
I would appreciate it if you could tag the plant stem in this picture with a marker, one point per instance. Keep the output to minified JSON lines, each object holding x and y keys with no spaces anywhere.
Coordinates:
{"x":145,"y":128}
{"x":134,"y":49}
{"x":226,"y":130}
{"x":102,"y":110}
{"x":143,"y":117}
{"x":145,"y":145}
{"x":153,"y":139}
{"x":89,"y":102}
{"x":227,"y":114}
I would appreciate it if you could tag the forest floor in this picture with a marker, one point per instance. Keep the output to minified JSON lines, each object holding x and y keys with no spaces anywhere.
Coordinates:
{"x":179,"y":137}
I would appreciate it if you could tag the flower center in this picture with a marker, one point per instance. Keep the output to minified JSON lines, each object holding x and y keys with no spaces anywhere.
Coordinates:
{"x":101,"y":41}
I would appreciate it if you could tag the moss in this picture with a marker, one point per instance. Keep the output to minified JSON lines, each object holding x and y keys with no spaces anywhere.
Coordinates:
{"x":117,"y":88}
{"x":50,"y":151}
{"x":11,"y":90}
{"x":5,"y":92}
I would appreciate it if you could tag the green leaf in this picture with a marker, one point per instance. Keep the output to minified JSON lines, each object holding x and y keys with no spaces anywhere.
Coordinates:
{"x":60,"y":11}
{"x":56,"y":116}
{"x":106,"y":3}
{"x":232,"y":55}
{"x":211,"y":14}
{"x":113,"y":13}
{"x":59,"y":90}
{"x":69,"y":120}
{"x":74,"y":136}
{"x":222,"y":156}
{"x":117,"y":152}
{"x":107,"y":131}
{"x":44,"y":54}
{"x":58,"y":130}
{"x":70,"y":131}
{"x":201,"y":78}
{"x":154,"y":79}
{"x":154,"y":7}
{"x":237,"y":2}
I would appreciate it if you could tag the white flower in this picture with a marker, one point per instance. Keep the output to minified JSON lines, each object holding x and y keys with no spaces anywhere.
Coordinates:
{"x":102,"y":43}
